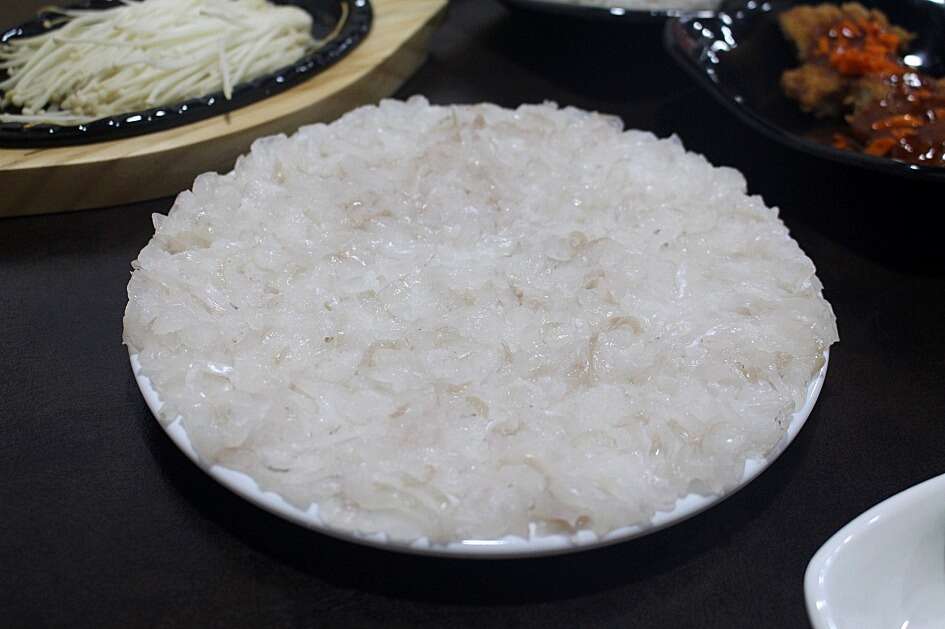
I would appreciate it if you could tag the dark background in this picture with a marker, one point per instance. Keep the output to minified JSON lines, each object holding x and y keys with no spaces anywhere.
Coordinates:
{"x":104,"y":523}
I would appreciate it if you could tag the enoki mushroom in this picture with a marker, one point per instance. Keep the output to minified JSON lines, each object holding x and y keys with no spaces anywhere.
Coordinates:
{"x":148,"y":53}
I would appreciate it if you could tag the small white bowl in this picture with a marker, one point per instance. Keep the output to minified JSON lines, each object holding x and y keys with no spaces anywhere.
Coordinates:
{"x":886,"y":568}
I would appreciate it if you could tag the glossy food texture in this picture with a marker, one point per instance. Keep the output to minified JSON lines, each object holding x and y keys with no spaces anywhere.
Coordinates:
{"x":463,"y":322}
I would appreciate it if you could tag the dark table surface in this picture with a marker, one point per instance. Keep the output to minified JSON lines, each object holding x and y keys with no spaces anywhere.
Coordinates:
{"x":103,"y":522}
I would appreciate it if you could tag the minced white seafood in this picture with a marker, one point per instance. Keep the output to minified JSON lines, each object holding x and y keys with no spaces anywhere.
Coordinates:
{"x":452,"y":322}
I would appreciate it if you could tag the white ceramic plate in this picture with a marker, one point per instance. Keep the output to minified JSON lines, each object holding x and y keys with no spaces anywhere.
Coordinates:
{"x":886,"y":568}
{"x":510,"y":546}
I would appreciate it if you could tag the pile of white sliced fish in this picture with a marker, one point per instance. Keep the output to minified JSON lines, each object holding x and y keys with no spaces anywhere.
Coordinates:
{"x":463,"y":322}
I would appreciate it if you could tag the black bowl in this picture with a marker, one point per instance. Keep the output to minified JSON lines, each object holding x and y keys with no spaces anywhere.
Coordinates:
{"x":589,"y":12}
{"x":325,"y":14}
{"x":739,"y":54}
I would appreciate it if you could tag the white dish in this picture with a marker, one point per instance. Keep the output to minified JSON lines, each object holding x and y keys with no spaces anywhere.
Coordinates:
{"x":886,"y":568}
{"x":508,"y":547}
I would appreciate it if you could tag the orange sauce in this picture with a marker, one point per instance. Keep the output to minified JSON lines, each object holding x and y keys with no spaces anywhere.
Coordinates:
{"x":908,"y":121}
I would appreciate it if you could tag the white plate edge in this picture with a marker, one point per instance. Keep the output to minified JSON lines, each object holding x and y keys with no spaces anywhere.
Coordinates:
{"x":814,"y":577}
{"x":508,"y":547}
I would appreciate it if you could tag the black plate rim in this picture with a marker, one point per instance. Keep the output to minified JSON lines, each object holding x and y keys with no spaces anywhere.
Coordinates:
{"x":590,"y":12}
{"x":761,"y":123}
{"x":355,"y":29}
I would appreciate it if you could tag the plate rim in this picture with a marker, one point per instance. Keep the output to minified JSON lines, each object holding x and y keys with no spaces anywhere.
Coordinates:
{"x":760,"y":123}
{"x":510,"y":547}
{"x":596,"y":12}
{"x":815,"y":595}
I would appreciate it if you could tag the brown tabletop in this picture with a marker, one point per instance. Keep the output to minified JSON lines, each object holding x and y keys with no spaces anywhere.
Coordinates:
{"x":103,"y":522}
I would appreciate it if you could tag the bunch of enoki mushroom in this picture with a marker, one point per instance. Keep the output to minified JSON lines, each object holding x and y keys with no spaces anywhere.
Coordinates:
{"x":143,"y":54}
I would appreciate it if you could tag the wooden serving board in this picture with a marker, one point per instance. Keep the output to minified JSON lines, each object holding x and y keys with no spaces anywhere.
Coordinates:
{"x":35,"y":181}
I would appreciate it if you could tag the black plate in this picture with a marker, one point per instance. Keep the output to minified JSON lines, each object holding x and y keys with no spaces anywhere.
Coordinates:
{"x":597,"y":12}
{"x":740,"y":53}
{"x":325,"y":14}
